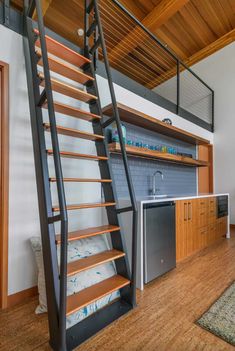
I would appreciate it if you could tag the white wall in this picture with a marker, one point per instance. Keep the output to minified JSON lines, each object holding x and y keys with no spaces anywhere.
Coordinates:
{"x":23,"y":212}
{"x":195,"y":97}
{"x":218,"y":70}
{"x":132,"y":100}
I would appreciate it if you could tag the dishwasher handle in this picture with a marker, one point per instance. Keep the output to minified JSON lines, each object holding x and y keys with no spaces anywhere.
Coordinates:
{"x":159,"y":204}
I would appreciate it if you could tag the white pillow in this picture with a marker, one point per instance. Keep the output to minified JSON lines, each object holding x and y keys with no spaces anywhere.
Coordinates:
{"x":76,"y":250}
{"x":37,"y":248}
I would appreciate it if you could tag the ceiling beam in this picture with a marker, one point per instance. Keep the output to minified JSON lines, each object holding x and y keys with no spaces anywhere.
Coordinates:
{"x":45,"y":5}
{"x":225,"y":40}
{"x":158,"y":16}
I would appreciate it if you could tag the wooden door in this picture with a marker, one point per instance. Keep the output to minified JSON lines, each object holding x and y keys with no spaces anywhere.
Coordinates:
{"x":205,"y":174}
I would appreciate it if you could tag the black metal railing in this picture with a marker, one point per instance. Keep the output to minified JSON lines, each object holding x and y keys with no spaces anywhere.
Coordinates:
{"x":93,"y":40}
{"x":135,"y":51}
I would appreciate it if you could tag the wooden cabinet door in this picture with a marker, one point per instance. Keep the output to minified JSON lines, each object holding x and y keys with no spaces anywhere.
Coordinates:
{"x":203,"y":221}
{"x":224,"y":226}
{"x":181,"y":229}
{"x":185,"y":228}
{"x":212,"y":209}
{"x":191,"y":227}
{"x":221,"y":227}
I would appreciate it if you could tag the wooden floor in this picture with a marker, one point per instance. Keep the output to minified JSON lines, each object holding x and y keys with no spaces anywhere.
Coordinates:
{"x":163,"y":321}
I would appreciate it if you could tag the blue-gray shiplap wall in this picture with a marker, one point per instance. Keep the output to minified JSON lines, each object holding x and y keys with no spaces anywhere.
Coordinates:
{"x":178,"y":179}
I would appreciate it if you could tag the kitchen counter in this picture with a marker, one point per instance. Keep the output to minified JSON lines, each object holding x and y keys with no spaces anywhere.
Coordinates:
{"x":127,"y":225}
{"x":149,"y":199}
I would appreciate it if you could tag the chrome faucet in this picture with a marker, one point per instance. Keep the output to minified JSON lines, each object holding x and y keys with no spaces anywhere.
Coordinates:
{"x":154,"y":190}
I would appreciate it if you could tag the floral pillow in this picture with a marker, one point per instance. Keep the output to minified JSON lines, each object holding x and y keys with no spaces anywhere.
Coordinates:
{"x":76,"y":250}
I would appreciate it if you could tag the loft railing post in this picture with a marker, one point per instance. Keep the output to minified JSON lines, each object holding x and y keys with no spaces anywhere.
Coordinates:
{"x":213,"y":111}
{"x":123,"y":150}
{"x":178,"y":86}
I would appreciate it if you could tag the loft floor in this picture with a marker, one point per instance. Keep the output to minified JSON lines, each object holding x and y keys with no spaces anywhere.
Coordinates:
{"x":163,"y":320}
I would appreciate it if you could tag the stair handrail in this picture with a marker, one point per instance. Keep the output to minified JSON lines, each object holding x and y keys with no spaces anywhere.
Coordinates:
{"x":35,"y":5}
{"x":99,"y":41}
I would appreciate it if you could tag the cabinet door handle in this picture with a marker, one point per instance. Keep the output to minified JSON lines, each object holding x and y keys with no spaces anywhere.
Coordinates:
{"x":189,"y":211}
{"x":185,"y":211}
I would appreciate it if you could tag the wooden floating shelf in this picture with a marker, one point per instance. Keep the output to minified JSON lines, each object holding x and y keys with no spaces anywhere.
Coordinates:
{"x":140,"y":119}
{"x":156,"y":155}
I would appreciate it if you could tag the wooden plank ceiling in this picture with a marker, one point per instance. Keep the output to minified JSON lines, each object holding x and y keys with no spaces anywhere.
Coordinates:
{"x":193,"y":29}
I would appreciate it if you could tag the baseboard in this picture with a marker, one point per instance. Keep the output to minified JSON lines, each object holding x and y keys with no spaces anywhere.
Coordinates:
{"x":21,"y":296}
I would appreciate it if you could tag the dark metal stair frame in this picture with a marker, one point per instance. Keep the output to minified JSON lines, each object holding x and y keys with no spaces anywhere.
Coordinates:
{"x":42,"y":178}
{"x":98,"y":36}
{"x":56,"y":279}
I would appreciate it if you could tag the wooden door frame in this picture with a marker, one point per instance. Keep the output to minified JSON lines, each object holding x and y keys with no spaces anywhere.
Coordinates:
{"x":4,"y":182}
{"x":211,"y":167}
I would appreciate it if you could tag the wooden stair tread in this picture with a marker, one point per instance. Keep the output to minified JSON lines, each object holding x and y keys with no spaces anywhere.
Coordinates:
{"x":95,"y":292}
{"x":68,"y":90}
{"x":75,"y":133}
{"x":85,"y":205}
{"x":83,"y":180}
{"x":93,"y":261}
{"x":73,"y":112}
{"x":62,"y":51}
{"x":65,"y":69}
{"x":68,"y":154}
{"x":89,"y":232}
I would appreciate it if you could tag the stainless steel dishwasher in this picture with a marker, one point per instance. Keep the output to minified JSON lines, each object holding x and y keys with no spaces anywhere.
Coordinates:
{"x":159,"y":239}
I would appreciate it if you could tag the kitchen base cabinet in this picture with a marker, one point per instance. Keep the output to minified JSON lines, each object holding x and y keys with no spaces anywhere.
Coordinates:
{"x":197,"y":225}
{"x":221,"y":227}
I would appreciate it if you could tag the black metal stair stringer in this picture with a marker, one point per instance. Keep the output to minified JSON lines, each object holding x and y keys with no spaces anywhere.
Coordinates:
{"x":109,"y":190}
{"x":43,"y":185}
{"x":94,"y":22}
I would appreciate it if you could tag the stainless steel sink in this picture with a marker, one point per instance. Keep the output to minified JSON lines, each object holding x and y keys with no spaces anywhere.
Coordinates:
{"x":158,"y":196}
